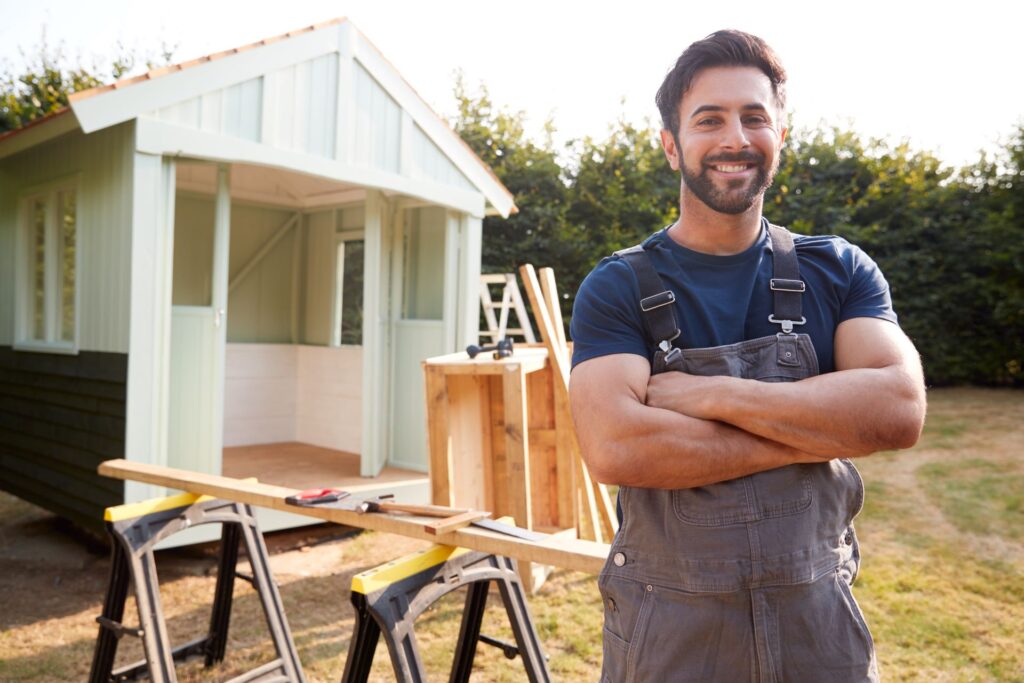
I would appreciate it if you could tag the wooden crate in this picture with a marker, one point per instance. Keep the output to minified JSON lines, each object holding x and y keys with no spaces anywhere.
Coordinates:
{"x":493,"y":438}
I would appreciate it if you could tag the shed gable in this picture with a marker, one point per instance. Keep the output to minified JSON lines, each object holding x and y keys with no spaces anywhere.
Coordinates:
{"x":326,"y":93}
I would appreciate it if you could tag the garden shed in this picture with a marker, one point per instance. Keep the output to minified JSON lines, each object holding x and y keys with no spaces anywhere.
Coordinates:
{"x":234,"y":265}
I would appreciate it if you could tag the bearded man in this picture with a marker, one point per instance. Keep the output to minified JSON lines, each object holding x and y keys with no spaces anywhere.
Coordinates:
{"x":724,"y":373}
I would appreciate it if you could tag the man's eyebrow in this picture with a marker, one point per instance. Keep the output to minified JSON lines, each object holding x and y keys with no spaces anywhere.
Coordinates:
{"x":753,"y":106}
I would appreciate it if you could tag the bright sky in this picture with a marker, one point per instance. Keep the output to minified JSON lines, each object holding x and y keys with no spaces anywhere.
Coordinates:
{"x":947,"y":76}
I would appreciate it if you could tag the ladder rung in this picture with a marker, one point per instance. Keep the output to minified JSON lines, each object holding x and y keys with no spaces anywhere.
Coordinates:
{"x":118,"y":629}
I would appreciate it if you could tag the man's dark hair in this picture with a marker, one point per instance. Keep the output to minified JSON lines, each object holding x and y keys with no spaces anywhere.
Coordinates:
{"x":721,"y":48}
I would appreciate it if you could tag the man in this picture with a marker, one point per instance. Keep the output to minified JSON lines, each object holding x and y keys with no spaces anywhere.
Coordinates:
{"x":723,"y":372}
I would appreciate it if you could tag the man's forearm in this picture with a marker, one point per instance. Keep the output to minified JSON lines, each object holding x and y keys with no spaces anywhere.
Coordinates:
{"x":654,"y":448}
{"x":840,"y":414}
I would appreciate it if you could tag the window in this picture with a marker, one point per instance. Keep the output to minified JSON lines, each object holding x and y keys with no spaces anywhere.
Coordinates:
{"x":348,"y":296}
{"x":48,"y":269}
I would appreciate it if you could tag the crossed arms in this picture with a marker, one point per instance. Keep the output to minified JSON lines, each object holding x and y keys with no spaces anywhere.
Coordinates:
{"x":676,"y":430}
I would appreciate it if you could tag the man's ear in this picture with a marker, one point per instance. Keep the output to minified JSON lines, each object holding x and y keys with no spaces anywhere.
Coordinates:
{"x":668,"y":144}
{"x":782,"y":137}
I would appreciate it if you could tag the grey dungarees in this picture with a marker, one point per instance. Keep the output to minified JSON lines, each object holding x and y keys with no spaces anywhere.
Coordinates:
{"x":748,"y":579}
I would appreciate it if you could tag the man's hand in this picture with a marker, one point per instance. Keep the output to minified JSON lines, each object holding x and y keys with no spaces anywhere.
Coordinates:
{"x":686,"y":394}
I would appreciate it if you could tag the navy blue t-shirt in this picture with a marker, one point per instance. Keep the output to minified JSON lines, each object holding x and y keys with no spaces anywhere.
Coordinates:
{"x":726,"y":299}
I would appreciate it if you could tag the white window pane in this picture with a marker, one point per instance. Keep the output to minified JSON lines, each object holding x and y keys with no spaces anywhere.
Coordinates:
{"x":352,"y":293}
{"x":68,"y":248}
{"x":37,"y":242}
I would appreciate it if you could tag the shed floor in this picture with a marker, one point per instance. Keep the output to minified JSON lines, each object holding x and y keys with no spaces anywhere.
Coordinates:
{"x":303,"y":466}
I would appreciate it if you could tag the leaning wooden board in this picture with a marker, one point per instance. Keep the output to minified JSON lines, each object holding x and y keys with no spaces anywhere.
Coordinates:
{"x":559,"y":551}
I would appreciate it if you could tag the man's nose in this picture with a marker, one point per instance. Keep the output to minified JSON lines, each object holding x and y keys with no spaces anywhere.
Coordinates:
{"x":734,"y":136}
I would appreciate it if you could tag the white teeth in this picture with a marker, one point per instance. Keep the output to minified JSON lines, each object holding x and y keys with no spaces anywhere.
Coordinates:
{"x":730,"y":169}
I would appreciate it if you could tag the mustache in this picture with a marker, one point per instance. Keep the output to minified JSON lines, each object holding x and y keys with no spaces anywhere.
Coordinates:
{"x":739,"y":158}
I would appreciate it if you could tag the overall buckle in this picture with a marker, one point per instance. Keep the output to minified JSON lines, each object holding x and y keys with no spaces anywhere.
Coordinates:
{"x":787,"y":325}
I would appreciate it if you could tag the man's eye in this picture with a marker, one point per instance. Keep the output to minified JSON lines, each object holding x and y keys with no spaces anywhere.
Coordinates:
{"x":756,"y":120}
{"x":707,"y":122}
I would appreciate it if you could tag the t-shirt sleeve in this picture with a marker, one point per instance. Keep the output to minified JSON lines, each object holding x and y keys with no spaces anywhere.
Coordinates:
{"x":868,"y":295}
{"x":606,"y":314}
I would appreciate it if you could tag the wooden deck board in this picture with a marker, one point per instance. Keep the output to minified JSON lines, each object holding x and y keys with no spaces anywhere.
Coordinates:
{"x":303,"y":466}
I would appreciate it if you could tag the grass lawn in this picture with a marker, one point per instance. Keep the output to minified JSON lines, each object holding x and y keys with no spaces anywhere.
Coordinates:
{"x":942,"y":582}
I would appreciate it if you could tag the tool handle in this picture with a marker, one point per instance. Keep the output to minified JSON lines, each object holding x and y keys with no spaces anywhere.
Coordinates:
{"x":443,"y":526}
{"x":423,"y":510}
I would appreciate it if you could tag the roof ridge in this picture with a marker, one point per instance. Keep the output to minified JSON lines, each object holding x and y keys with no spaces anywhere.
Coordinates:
{"x":181,"y":66}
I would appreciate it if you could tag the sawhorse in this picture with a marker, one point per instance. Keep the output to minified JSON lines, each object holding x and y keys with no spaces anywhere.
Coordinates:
{"x":135,"y":529}
{"x":389,"y":598}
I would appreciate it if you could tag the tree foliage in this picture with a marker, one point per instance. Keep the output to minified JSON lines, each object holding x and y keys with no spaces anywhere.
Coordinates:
{"x":43,"y":84}
{"x":951,"y":243}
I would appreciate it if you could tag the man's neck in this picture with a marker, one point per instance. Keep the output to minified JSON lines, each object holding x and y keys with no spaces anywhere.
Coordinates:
{"x":704,"y":230}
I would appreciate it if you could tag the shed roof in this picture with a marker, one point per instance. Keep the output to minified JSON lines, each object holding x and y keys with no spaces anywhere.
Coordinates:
{"x":131,"y":97}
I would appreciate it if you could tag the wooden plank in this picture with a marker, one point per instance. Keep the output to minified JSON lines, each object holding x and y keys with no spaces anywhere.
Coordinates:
{"x":543,"y":472}
{"x":517,"y":445}
{"x":555,"y":550}
{"x":547,"y":283}
{"x":449,"y":524}
{"x":499,"y":465}
{"x":438,"y":439}
{"x":466,"y":443}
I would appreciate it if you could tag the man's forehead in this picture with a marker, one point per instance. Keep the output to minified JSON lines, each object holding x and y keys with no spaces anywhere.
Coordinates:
{"x":728,"y":87}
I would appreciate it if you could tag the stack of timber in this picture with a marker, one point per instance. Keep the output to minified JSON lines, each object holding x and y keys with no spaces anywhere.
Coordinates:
{"x":595,"y":516}
{"x":501,"y":437}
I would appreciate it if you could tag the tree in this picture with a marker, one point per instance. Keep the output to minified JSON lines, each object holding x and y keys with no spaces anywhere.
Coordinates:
{"x":44,"y":83}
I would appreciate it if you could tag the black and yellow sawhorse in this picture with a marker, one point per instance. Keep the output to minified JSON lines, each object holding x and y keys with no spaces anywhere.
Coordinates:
{"x":389,"y":598}
{"x":135,"y":530}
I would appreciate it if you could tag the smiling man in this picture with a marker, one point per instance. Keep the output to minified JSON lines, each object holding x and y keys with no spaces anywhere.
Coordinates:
{"x":724,"y":372}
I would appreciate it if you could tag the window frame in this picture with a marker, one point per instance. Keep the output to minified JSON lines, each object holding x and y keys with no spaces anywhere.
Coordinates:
{"x":24,"y":287}
{"x":340,"y":237}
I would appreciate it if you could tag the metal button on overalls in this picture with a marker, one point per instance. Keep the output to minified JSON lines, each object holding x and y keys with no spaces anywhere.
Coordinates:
{"x":751,"y":584}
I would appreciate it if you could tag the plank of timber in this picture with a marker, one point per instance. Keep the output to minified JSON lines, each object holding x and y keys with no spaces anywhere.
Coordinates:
{"x":438,"y":440}
{"x":540,"y":417}
{"x":547,"y":284}
{"x":517,"y":445}
{"x":559,"y":551}
{"x":565,"y":431}
{"x":465,"y":433}
{"x":449,"y":524}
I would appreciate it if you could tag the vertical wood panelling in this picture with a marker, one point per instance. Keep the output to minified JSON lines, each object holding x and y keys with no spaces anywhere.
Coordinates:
{"x":191,"y":414}
{"x":103,"y":164}
{"x":415,"y":341}
{"x":300,"y":105}
{"x":8,"y":226}
{"x":260,"y":306}
{"x":378,"y":121}
{"x":425,"y":264}
{"x":235,"y":111}
{"x":320,"y":256}
{"x":428,"y":162}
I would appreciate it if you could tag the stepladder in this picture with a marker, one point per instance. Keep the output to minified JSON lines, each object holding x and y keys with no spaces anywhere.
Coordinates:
{"x":135,"y":530}
{"x":388,"y":599}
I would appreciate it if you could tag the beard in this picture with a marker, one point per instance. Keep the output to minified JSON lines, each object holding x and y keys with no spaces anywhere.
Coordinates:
{"x":739,"y":194}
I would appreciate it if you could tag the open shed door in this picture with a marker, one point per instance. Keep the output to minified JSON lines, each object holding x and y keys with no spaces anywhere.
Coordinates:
{"x":198,"y":335}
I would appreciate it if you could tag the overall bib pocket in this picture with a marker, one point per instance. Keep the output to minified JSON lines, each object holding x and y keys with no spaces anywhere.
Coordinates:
{"x":774,"y":493}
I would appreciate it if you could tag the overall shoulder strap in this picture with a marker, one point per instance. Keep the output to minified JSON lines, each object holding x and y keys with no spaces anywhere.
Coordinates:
{"x":655,"y":299}
{"x":786,"y":285}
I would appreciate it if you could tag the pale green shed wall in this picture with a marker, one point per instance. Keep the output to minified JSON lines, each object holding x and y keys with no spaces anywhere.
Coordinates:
{"x":425,"y":264}
{"x":103,"y":164}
